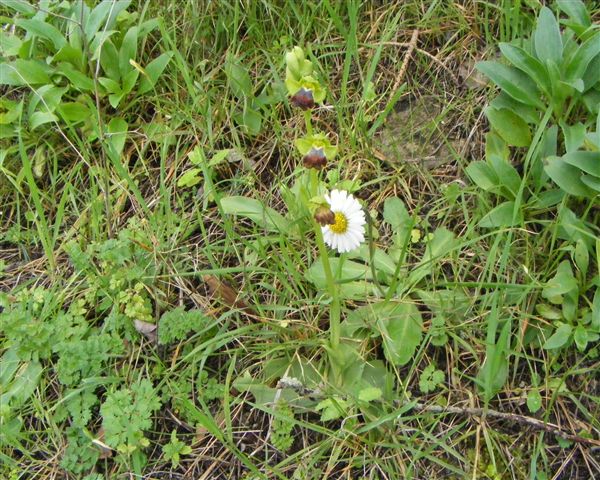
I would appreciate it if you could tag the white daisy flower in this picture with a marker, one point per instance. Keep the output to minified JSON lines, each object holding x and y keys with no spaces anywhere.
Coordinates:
{"x":347,"y":232}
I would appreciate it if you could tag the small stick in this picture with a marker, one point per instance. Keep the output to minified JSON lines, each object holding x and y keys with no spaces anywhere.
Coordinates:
{"x":299,"y":388}
{"x":411,"y":47}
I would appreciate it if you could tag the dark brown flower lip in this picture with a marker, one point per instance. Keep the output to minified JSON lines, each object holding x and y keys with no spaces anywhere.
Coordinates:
{"x":324,"y":216}
{"x":315,"y":158}
{"x":303,"y":99}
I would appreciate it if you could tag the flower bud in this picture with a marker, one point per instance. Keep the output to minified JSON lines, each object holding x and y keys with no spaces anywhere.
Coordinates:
{"x":315,"y":159}
{"x":324,"y":216}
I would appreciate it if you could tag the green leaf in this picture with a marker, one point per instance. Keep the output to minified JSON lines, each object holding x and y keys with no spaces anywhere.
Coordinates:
{"x":24,"y":72}
{"x":510,"y":180}
{"x":591,"y":182}
{"x":560,"y":337}
{"x":78,"y":80}
{"x":74,"y":111}
{"x":109,"y":59}
{"x":482,"y":175}
{"x":251,"y":120}
{"x":595,"y":323}
{"x":100,"y":13}
{"x":369,"y":394}
{"x":534,"y":400}
{"x":152,"y":72}
{"x":563,"y":282}
{"x":566,"y":176}
{"x":254,"y":210}
{"x":513,"y":81}
{"x":512,"y":128}
{"x":239,"y":79}
{"x":585,"y":53}
{"x":332,"y":408}
{"x":576,"y":10}
{"x":40,"y":118}
{"x":128,"y":51}
{"x":547,"y":39}
{"x":582,"y":257}
{"x":395,"y":213}
{"x":528,"y":64}
{"x":581,"y":338}
{"x":501,"y":217}
{"x":117,"y":134}
{"x":401,"y":327}
{"x":588,"y":162}
{"x":190,"y":178}
{"x":44,"y":30}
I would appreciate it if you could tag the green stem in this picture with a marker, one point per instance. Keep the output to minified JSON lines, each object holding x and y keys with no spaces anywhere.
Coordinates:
{"x":334,"y":312}
{"x":308,"y":122}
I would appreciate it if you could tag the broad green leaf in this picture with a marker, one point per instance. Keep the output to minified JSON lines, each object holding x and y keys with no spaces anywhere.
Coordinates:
{"x":586,"y":52}
{"x":23,"y":384}
{"x":70,"y":54}
{"x":534,"y":400}
{"x":563,"y":282}
{"x":547,"y":39}
{"x":382,"y":261}
{"x":513,"y":81}
{"x":24,"y":72}
{"x":128,"y":50}
{"x":482,"y":175}
{"x":104,"y":15}
{"x":566,"y":176}
{"x":501,"y":217}
{"x":576,"y":10}
{"x":526,"y":112}
{"x":255,"y":210}
{"x":591,"y":182}
{"x":574,"y":135}
{"x":588,"y":162}
{"x":401,"y":326}
{"x":251,"y":120}
{"x":78,"y":80}
{"x":40,"y":118}
{"x":369,"y":394}
{"x":442,"y":242}
{"x":110,"y":85}
{"x":44,"y":30}
{"x":595,"y":324}
{"x":548,"y":312}
{"x":117,"y":135}
{"x":129,"y":80}
{"x":581,"y":337}
{"x":239,"y":79}
{"x":8,"y":366}
{"x":510,"y":180}
{"x":152,"y":72}
{"x":528,"y":64}
{"x":591,"y":78}
{"x":74,"y":111}
{"x":559,"y":338}
{"x":395,"y":214}
{"x":109,"y":60}
{"x":190,"y":178}
{"x":512,"y":128}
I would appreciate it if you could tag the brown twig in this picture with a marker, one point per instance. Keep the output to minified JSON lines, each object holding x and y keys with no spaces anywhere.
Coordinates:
{"x":411,"y":47}
{"x":298,"y":387}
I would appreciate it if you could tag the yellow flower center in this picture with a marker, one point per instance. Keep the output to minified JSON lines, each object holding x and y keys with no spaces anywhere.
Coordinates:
{"x":340,"y":225}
